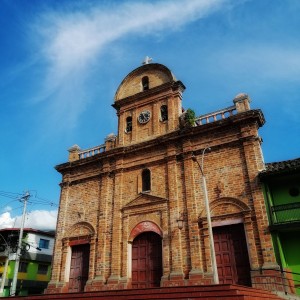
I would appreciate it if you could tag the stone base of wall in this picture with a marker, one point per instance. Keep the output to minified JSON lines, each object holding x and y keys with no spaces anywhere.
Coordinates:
{"x":265,"y":279}
{"x":54,"y":288}
{"x":195,"y":278}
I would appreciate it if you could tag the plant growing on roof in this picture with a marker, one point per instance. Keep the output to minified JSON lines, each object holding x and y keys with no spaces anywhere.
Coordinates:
{"x":190,"y":117}
{"x":187,"y":118}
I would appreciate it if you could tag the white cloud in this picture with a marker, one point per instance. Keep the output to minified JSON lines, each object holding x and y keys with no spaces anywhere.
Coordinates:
{"x":70,"y":41}
{"x":6,"y":221}
{"x":37,"y":219}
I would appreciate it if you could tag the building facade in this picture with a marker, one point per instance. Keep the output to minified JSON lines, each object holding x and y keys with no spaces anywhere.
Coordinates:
{"x":281,"y":182}
{"x":132,"y":210}
{"x":35,"y":260}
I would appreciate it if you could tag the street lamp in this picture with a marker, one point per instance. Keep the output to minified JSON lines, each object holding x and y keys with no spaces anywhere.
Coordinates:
{"x":210,"y":233}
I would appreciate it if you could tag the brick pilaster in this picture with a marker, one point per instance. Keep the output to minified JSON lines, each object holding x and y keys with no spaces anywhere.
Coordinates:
{"x":192,"y":215}
{"x":175,"y":208}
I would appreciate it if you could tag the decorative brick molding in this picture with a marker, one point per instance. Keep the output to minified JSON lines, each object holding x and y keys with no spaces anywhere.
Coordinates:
{"x":145,"y":226}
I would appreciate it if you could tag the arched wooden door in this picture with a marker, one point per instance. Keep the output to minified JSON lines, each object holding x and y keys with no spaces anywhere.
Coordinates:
{"x":146,"y":260}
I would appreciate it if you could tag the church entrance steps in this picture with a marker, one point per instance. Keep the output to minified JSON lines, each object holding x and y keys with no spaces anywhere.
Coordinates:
{"x":203,"y":292}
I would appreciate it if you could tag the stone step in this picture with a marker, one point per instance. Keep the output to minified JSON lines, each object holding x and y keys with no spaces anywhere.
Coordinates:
{"x":208,"y":292}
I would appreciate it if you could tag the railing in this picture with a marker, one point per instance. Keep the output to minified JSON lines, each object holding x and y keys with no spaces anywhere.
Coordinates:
{"x":289,"y":281}
{"x":92,"y":151}
{"x":285,"y":213}
{"x":201,"y":120}
{"x":216,"y":115}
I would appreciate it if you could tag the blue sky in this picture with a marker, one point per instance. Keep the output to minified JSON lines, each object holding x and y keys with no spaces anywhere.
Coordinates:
{"x":62,"y":61}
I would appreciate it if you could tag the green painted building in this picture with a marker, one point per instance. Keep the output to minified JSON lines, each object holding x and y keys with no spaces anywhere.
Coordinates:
{"x":35,"y":261}
{"x":281,"y":182}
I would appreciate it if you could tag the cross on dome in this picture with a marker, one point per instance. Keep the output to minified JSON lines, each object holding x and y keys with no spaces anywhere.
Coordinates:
{"x":147,"y":60}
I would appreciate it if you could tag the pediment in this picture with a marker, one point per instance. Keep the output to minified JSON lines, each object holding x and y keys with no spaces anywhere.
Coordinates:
{"x":144,"y":199}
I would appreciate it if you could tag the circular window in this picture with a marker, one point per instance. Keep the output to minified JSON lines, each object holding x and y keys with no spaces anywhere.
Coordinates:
{"x":294,"y":191}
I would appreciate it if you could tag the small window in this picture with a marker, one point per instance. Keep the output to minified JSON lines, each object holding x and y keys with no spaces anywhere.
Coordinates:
{"x":42,"y":269}
{"x":164,"y":113}
{"x":44,"y":244}
{"x":23,"y":267}
{"x":145,"y":83}
{"x":128,"y":124}
{"x":146,"y":180}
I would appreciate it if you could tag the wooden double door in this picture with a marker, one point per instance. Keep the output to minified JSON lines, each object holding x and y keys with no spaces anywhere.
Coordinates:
{"x":146,"y":260}
{"x":232,"y":255}
{"x":79,"y":268}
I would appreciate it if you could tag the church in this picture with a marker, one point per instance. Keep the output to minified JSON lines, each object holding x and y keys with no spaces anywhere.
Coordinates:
{"x":133,"y":210}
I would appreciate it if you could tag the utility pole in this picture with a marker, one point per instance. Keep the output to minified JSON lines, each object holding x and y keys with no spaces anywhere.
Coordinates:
{"x":23,"y":199}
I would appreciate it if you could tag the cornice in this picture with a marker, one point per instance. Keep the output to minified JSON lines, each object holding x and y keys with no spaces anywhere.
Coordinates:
{"x":167,"y":88}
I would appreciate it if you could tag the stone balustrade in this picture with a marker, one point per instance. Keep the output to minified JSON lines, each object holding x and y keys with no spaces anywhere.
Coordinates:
{"x":241,"y":104}
{"x":92,"y":151}
{"x":216,"y":115}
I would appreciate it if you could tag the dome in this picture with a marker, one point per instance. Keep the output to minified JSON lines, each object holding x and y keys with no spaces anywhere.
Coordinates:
{"x":149,"y":75}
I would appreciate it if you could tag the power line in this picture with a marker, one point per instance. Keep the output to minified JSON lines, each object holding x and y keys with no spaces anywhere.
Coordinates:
{"x":35,"y":201}
{"x":10,"y":195}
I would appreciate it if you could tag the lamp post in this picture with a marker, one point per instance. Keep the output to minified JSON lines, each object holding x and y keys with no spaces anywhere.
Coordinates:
{"x":210,"y":233}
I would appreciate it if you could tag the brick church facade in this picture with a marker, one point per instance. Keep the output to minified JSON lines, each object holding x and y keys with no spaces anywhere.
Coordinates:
{"x":132,"y":210}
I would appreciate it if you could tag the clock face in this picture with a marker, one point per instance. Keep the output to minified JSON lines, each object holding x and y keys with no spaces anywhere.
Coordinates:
{"x":144,"y":116}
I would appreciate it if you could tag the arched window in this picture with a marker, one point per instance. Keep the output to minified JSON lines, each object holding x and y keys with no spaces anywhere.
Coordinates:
{"x":145,"y":83}
{"x":146,"y":180}
{"x":164,"y":113}
{"x":128,"y":124}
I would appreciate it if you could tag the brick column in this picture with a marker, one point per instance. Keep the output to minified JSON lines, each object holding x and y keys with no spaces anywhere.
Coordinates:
{"x":254,"y":162}
{"x":121,"y":128}
{"x":57,"y":277}
{"x":155,"y":119}
{"x":134,"y":126}
{"x":196,"y":272}
{"x":102,"y":239}
{"x":175,"y":207}
{"x":116,"y":254}
{"x":174,"y":109}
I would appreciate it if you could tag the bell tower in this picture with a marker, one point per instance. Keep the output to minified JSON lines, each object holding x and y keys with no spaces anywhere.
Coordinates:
{"x":148,"y":103}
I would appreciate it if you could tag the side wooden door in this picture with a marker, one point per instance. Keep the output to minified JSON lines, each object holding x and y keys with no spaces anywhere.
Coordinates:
{"x":79,"y":268}
{"x":232,"y":255}
{"x":146,"y":260}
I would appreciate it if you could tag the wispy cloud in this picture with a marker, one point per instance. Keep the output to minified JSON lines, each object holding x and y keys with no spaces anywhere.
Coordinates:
{"x":72,"y":40}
